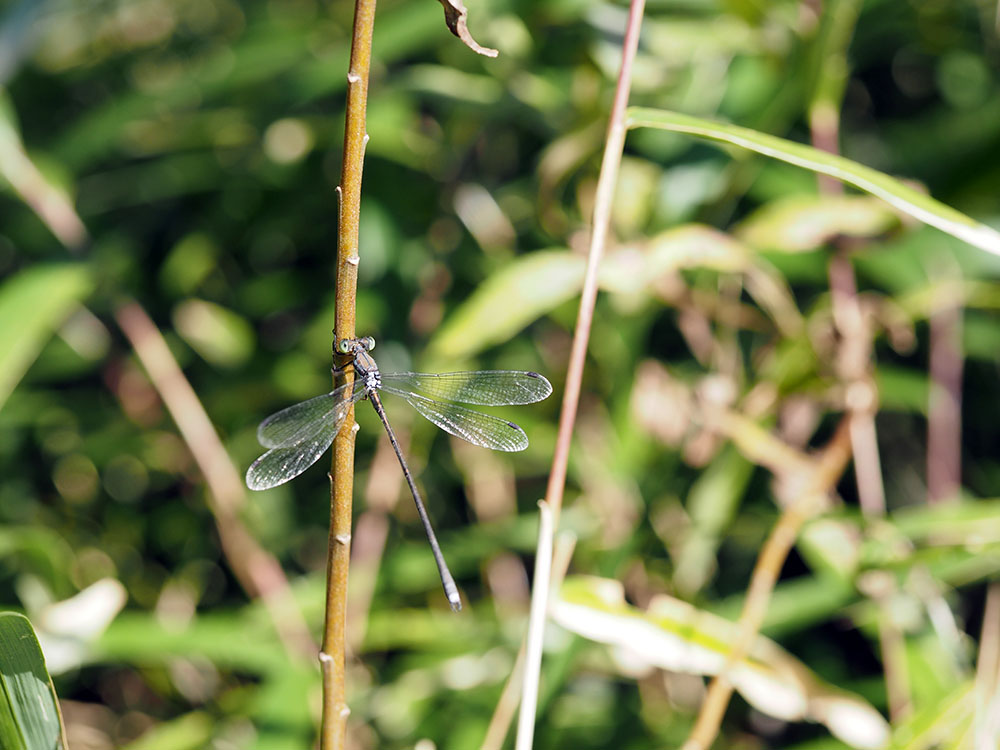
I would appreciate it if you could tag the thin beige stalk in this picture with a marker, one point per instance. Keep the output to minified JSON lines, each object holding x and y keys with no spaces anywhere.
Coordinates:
{"x":606,"y":181}
{"x":50,"y":203}
{"x":503,"y":714}
{"x":987,"y":720}
{"x":892,"y":646}
{"x":536,"y":629}
{"x":944,"y":414}
{"x":257,"y":570}
{"x":333,"y":729}
{"x":855,"y":351}
{"x":610,"y":162}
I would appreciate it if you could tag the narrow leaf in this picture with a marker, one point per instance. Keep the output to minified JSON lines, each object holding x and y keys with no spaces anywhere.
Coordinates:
{"x":535,"y":284}
{"x":218,"y":334}
{"x":892,"y":191}
{"x":673,"y":635}
{"x":510,"y":300}
{"x":800,"y":223}
{"x":29,"y":713}
{"x":32,"y":304}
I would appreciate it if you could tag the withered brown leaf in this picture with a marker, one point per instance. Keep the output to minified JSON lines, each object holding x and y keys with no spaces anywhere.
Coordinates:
{"x":455,"y":15}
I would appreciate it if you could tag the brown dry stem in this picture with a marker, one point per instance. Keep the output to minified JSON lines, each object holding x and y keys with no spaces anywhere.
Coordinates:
{"x":333,"y":729}
{"x":607,"y":180}
{"x":610,"y":162}
{"x":258,"y":572}
{"x":854,"y":357}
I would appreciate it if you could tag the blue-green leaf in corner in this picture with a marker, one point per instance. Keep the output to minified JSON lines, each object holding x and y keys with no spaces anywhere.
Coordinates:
{"x":29,"y":711}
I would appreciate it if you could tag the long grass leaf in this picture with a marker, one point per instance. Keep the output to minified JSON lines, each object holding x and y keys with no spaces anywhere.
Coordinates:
{"x":891,"y":190}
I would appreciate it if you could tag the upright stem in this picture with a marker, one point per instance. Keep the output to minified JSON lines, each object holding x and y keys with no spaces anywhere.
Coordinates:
{"x":944,"y":419}
{"x":536,"y":629}
{"x":257,"y":571}
{"x":855,"y":351}
{"x":333,"y":731}
{"x":606,"y":181}
{"x":549,"y":509}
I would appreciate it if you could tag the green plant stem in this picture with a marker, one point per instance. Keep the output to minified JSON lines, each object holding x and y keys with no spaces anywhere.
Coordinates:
{"x":333,"y":730}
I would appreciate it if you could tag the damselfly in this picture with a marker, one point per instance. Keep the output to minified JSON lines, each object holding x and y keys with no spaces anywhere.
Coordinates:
{"x":297,"y":436}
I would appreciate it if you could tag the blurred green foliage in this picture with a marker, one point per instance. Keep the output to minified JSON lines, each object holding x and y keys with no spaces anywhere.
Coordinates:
{"x":199,"y":141}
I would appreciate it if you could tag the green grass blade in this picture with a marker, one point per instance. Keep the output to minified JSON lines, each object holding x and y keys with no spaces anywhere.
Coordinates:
{"x":32,"y":304}
{"x":509,"y":300}
{"x":892,"y":191}
{"x":29,"y":713}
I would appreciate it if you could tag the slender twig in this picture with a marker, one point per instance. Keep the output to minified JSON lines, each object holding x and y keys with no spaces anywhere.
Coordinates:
{"x":813,"y":490}
{"x":855,"y":351}
{"x":892,"y":645}
{"x":613,"y":147}
{"x":854,"y":364}
{"x":333,"y":731}
{"x":510,"y":696}
{"x":257,"y":570}
{"x":51,"y":204}
{"x":610,"y":162}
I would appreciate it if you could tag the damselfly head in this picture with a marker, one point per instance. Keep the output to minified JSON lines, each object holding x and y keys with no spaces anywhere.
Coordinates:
{"x":352,"y":346}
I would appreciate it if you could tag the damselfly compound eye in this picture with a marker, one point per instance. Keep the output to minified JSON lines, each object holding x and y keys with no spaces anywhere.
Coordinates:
{"x":344,"y":347}
{"x":369,"y":342}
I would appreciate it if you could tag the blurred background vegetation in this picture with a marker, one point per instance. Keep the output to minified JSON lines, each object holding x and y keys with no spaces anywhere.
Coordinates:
{"x":182,"y":155}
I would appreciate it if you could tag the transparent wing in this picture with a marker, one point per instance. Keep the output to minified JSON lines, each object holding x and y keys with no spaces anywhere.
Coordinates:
{"x":279,"y":465}
{"x":474,"y":426}
{"x":483,"y":387}
{"x":301,"y":421}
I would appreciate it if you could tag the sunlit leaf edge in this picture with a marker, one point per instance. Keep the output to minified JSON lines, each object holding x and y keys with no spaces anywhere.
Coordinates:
{"x":33,"y":303}
{"x":897,"y":194}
